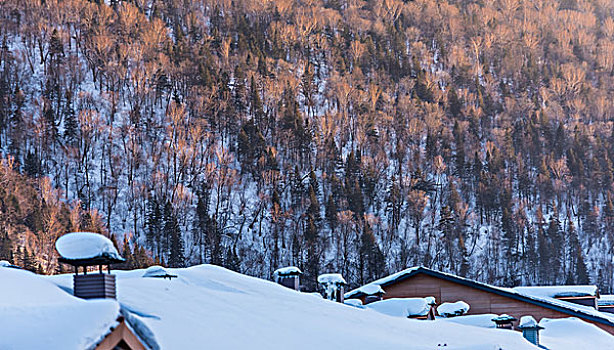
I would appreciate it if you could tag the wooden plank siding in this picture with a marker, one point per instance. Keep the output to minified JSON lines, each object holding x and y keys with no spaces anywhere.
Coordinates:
{"x":480,"y":302}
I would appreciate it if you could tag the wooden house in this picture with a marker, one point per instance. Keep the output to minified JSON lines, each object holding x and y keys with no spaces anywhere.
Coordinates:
{"x":483,"y":298}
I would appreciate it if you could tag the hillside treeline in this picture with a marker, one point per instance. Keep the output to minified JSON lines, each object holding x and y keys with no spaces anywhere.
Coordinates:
{"x":348,"y":136}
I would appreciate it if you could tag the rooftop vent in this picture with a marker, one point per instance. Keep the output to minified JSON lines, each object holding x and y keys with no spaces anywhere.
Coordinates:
{"x":504,"y":321}
{"x":83,"y":249}
{"x":158,"y":272}
{"x":530,"y":329}
{"x":288,"y":277}
{"x":333,"y":284}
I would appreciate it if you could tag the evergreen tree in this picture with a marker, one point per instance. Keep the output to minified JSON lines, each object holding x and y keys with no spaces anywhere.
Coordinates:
{"x":171,"y":229}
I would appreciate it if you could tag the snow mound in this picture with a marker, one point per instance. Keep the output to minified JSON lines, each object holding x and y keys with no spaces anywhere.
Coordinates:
{"x":371,"y":289}
{"x":37,"y":314}
{"x":157,"y":271}
{"x":482,"y":320}
{"x":573,"y":334}
{"x":558,"y":291}
{"x":331,"y":278}
{"x":401,"y":307}
{"x":453,"y":309}
{"x":353,"y":302}
{"x":86,"y":245}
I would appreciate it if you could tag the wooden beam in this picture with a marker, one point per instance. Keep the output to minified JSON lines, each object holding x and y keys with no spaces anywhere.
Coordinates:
{"x":121,"y":333}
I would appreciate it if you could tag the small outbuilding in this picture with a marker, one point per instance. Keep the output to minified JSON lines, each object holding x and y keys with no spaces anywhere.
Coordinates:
{"x":288,"y":277}
{"x":333,"y":285}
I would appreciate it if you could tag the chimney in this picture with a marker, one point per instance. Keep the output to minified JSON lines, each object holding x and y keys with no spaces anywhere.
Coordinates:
{"x":288,"y":277}
{"x":504,"y":321}
{"x":84,"y":249}
{"x":334,"y":285}
{"x":530,"y":329}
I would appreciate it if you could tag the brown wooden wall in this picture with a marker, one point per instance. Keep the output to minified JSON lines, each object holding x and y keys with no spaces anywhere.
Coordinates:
{"x":480,"y":302}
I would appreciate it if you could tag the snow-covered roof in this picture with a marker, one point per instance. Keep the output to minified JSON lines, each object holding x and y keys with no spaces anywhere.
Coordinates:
{"x":157,"y":271}
{"x":481,"y":320}
{"x":453,"y":309}
{"x":371,"y":289}
{"x":331,"y":278}
{"x":558,"y":291}
{"x":81,"y":246}
{"x":217,"y":307}
{"x":36,"y":314}
{"x":606,"y":300}
{"x":287,"y":271}
{"x":549,"y":302}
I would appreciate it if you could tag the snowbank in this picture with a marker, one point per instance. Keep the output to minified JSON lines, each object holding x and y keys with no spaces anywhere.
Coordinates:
{"x":86,"y":245}
{"x":573,"y":334}
{"x":401,"y":307}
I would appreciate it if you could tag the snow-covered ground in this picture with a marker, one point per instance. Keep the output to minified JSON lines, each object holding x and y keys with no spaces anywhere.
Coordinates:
{"x":209,"y":307}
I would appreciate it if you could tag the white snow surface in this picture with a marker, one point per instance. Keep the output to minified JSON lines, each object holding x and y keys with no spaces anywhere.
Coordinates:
{"x":527,"y":321}
{"x":605,"y":300}
{"x":353,"y":302}
{"x":85,"y":245}
{"x":210,"y":305}
{"x":482,"y":320}
{"x":453,"y":309}
{"x":334,"y":278}
{"x":289,"y":270}
{"x":573,"y":334}
{"x":156,"y":271}
{"x":558,"y":291}
{"x":401,"y":307}
{"x":371,"y":289}
{"x":36,"y":314}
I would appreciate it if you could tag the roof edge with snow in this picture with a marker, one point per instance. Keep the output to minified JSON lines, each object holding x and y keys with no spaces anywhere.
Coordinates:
{"x":410,"y":272}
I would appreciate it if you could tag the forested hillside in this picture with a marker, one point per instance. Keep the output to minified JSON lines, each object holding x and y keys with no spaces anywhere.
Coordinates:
{"x":348,"y":136}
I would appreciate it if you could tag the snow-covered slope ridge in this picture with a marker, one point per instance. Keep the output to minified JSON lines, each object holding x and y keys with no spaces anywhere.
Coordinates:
{"x":208,"y":306}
